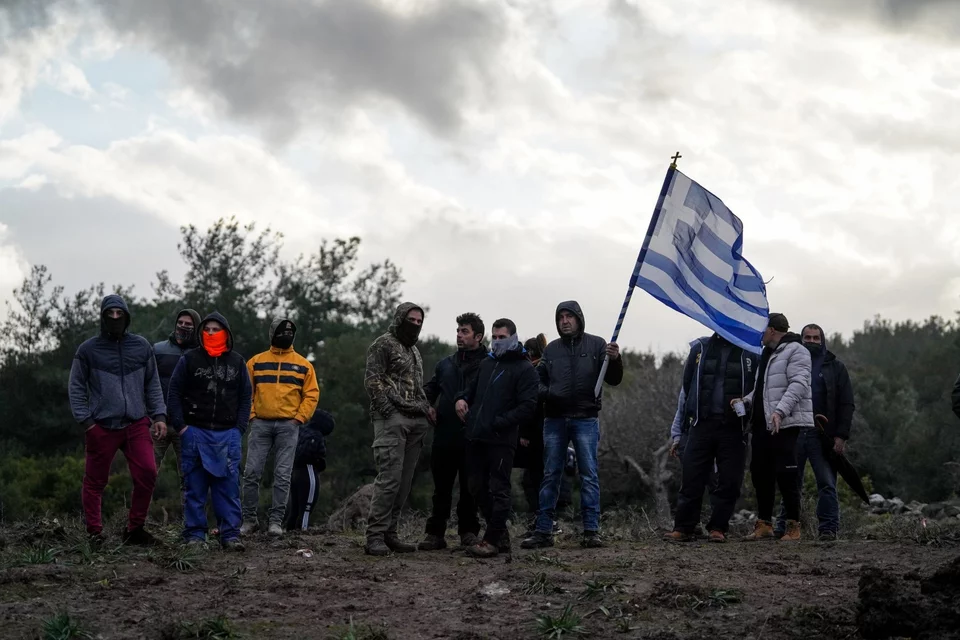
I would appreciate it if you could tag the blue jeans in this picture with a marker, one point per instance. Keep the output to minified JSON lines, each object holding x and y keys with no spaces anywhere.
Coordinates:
{"x":585,"y":434}
{"x":210,"y":461}
{"x":810,"y":447}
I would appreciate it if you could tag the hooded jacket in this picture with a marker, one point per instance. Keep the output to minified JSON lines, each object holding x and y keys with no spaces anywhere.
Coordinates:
{"x":452,"y":376}
{"x":311,"y":441}
{"x":569,"y":370}
{"x":839,"y":401}
{"x":114,"y":382}
{"x":739,"y":378}
{"x":501,"y":397}
{"x":393,"y":377}
{"x":284,"y":383}
{"x":210,"y":393}
{"x":786,"y":384}
{"x":168,"y":352}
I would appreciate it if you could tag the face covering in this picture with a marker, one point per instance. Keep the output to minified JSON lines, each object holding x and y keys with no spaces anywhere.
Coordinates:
{"x":183,"y":336}
{"x":215,"y":344}
{"x":816,"y":350}
{"x":114,"y":326}
{"x":408,"y":333}
{"x":282,"y":342}
{"x":503,"y":345}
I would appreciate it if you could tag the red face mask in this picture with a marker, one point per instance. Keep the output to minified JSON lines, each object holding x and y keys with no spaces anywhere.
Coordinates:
{"x":215,"y":344}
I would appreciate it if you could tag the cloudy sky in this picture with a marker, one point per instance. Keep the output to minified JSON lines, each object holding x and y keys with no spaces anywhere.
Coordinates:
{"x":507,"y":155}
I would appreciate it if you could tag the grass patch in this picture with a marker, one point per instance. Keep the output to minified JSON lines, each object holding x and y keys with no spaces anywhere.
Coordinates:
{"x":218,"y":628}
{"x":354,"y":631}
{"x":540,"y":558}
{"x":39,"y":554}
{"x":539,"y":585}
{"x":598,"y":589}
{"x":183,"y":558}
{"x":63,"y":627}
{"x":567,"y":623}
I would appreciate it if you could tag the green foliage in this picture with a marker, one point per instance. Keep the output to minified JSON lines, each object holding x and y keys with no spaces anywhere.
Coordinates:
{"x":218,"y":628}
{"x":566,"y":624}
{"x":62,"y":627}
{"x":353,"y":631}
{"x":599,"y":588}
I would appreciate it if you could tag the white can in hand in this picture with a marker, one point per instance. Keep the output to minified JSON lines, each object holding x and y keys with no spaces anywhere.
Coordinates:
{"x":739,"y":408}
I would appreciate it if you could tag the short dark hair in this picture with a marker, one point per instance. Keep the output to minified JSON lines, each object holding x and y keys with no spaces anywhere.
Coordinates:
{"x":505,"y":323}
{"x":823,"y":336}
{"x":778,"y":322}
{"x":473,"y":320}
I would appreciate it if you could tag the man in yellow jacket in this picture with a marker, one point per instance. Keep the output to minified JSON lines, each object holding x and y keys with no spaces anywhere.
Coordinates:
{"x":285,"y":395}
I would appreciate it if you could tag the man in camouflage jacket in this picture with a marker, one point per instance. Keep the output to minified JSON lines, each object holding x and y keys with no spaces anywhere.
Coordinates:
{"x":400,"y":413}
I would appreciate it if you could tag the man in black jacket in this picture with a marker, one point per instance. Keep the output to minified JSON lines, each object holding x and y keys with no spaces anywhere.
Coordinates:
{"x":167,"y":353}
{"x":209,"y":403}
{"x":448,"y":459}
{"x":715,"y":373}
{"x":832,"y":399}
{"x":501,"y":397}
{"x":568,"y":372}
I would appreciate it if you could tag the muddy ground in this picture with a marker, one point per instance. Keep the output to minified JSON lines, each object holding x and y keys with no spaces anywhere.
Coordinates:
{"x":634,"y":588}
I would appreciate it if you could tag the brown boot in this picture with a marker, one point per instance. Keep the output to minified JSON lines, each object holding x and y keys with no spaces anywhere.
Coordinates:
{"x":679,"y":536}
{"x":793,"y":532}
{"x":717,"y":536}
{"x":762,"y":530}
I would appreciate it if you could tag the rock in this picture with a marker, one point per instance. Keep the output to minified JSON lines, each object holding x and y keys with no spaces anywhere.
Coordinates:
{"x":915,"y":507}
{"x":933,"y":510}
{"x":877,"y":500}
{"x":895,"y":506}
{"x":951,"y":512}
{"x":352,"y":511}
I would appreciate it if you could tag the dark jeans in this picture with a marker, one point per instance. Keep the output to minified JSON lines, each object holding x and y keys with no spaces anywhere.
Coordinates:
{"x":531,"y":480}
{"x":304,"y":491}
{"x":810,"y":447}
{"x":707,"y":442}
{"x":585,"y":435}
{"x":773,"y":463}
{"x":489,"y":468}
{"x":448,"y":463}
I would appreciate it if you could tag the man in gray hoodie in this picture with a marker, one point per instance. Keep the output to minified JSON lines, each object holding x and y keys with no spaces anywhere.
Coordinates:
{"x":780,"y":404}
{"x":115,"y":394}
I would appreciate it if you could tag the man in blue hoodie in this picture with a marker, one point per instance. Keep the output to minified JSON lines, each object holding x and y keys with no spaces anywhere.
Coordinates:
{"x":209,"y":403}
{"x":115,"y":394}
{"x":833,"y":405}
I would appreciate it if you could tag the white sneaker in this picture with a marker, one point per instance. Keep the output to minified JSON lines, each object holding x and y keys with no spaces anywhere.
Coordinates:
{"x":275,"y":530}
{"x":247,"y":528}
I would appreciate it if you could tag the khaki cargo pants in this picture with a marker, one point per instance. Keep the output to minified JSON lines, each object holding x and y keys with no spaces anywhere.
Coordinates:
{"x":397,"y":442}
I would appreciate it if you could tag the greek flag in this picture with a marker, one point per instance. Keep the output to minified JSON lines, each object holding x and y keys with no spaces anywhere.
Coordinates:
{"x":692,"y":262}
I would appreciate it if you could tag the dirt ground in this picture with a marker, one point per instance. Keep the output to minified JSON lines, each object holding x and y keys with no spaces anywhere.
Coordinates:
{"x":632,"y":588}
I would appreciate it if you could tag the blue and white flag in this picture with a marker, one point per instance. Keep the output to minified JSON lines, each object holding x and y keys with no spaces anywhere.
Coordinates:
{"x":692,"y":262}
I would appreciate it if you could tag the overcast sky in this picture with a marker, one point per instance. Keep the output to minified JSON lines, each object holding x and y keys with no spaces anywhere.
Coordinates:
{"x":507,"y":155}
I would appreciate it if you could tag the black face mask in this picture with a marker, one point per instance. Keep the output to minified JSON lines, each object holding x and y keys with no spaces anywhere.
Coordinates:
{"x":408,"y":333}
{"x":282,"y":342}
{"x":184,"y":336}
{"x":114,"y":327}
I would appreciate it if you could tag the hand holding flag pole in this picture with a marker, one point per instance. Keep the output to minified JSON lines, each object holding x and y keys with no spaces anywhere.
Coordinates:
{"x":633,"y":278}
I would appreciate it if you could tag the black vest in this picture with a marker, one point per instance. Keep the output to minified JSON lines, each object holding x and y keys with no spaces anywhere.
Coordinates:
{"x":732,"y":378}
{"x":211,"y":394}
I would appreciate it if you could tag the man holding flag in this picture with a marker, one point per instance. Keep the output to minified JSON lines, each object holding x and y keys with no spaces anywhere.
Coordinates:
{"x":568,"y":371}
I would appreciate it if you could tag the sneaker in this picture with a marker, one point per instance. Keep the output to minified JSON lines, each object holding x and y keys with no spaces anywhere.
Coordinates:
{"x":482,"y":550}
{"x":139,"y":537}
{"x":717,"y":536}
{"x":397,"y":545}
{"x":761,"y":530}
{"x":376,"y":547}
{"x":591,"y":540}
{"x":234,"y":545}
{"x":793,"y":532}
{"x":432,"y":543}
{"x":469,"y":540}
{"x":248,"y":527}
{"x":274,"y":530}
{"x":679,"y":536}
{"x":537,"y":541}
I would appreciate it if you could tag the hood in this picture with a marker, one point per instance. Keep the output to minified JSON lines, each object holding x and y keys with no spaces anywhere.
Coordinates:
{"x":401,"y":313}
{"x":788,"y":338}
{"x":226,"y":326}
{"x":113,"y":301}
{"x":823,"y":336}
{"x":196,"y":326}
{"x":322,"y":421}
{"x":573,"y":307}
{"x":277,"y":322}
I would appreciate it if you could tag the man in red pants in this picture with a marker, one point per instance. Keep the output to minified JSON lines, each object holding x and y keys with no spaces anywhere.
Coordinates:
{"x":115,"y":394}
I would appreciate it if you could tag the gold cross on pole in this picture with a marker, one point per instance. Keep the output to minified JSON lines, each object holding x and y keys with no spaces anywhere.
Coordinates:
{"x":676,"y":156}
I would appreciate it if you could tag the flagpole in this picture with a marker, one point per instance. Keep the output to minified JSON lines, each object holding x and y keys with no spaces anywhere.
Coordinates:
{"x":636,"y":270}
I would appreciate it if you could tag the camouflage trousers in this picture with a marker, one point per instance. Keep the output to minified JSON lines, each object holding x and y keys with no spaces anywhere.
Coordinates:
{"x":397,"y":442}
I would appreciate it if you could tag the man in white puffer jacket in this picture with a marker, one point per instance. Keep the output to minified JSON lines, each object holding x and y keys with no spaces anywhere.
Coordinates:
{"x":779,"y":405}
